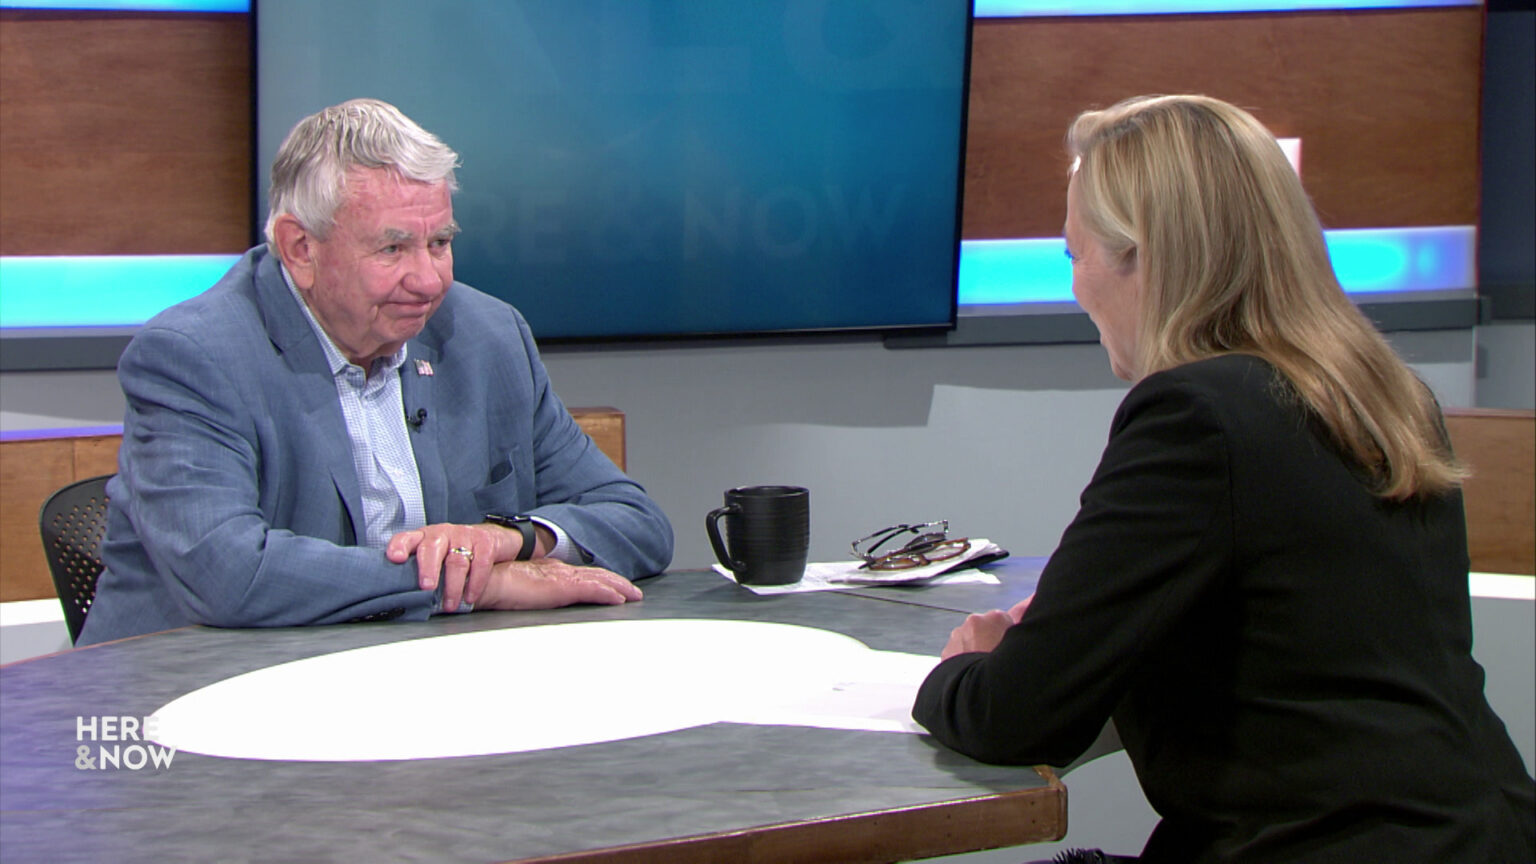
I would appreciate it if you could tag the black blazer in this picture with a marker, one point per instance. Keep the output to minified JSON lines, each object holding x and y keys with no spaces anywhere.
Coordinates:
{"x":1287,"y":657}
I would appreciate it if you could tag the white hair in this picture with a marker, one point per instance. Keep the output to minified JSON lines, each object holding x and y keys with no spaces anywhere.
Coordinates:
{"x":309,"y":175}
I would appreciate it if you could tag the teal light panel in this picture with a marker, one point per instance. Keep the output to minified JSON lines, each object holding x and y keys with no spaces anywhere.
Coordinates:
{"x":118,"y":291}
{"x":133,"y":5}
{"x":100,"y":290}
{"x":1367,"y":261}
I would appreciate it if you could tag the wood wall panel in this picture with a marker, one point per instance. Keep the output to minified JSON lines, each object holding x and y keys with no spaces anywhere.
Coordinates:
{"x":1500,"y":449}
{"x":1386,"y":104}
{"x":124,"y":133}
{"x":30,"y":471}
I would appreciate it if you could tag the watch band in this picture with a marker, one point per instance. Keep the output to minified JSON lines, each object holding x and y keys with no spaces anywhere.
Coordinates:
{"x":524,"y":526}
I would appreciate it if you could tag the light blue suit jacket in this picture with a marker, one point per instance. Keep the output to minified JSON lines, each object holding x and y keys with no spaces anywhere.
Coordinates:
{"x":236,"y":503}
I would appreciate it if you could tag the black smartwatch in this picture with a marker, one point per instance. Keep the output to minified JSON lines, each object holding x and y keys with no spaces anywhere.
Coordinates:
{"x":523,"y":525}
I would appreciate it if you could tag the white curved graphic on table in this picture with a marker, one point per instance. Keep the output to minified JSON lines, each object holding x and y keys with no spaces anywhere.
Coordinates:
{"x":533,"y":688}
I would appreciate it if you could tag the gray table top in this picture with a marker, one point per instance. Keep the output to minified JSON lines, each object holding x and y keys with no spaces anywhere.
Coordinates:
{"x":717,"y":792}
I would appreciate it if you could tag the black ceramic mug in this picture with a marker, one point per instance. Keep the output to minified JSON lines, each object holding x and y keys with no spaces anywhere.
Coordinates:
{"x":769,"y":533}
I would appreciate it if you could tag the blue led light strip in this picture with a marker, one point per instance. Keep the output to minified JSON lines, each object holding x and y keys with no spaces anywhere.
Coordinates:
{"x":100,"y":290}
{"x":1367,"y":261}
{"x":1052,"y":8}
{"x":133,"y":5}
{"x":121,"y":291}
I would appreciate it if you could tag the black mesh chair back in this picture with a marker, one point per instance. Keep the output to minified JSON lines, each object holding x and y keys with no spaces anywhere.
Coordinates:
{"x":73,"y":520}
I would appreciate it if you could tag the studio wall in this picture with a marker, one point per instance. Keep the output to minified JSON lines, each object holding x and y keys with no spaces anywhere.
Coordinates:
{"x":129,"y":133}
{"x":999,"y":439}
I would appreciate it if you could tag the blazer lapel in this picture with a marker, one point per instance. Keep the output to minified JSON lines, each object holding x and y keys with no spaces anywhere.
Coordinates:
{"x":313,"y":389}
{"x":418,"y":389}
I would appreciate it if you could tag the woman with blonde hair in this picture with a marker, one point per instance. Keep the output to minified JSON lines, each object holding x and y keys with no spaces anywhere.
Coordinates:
{"x":1266,"y":584}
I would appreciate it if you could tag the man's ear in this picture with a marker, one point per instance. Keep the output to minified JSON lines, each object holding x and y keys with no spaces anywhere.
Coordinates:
{"x":296,"y":247}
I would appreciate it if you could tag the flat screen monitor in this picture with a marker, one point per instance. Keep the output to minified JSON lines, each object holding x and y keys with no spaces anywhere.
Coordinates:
{"x":654,"y":168}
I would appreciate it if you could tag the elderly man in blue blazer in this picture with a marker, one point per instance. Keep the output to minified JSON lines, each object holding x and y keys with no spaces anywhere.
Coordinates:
{"x":338,"y":431}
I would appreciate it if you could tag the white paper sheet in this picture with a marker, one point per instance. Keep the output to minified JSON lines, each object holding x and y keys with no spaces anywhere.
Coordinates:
{"x":532,"y":688}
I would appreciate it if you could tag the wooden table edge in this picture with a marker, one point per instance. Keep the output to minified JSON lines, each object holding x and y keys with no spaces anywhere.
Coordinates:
{"x":899,"y":833}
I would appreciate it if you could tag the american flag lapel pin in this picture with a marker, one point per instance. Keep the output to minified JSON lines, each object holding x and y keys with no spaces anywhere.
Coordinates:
{"x":423,"y":368}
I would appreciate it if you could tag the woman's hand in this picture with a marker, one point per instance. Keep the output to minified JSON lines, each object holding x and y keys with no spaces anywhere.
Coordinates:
{"x":1017,"y":612}
{"x":983,"y":632}
{"x":978,"y":633}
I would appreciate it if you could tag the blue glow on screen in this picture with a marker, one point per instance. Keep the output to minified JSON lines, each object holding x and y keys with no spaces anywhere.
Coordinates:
{"x":133,"y":5}
{"x":1048,"y":8}
{"x":118,"y":291}
{"x":644,"y":169}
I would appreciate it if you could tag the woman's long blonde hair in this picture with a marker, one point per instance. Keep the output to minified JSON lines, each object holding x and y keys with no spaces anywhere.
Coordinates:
{"x":1232,"y":260}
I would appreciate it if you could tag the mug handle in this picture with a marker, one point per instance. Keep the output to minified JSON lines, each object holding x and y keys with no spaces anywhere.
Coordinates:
{"x":712,"y":527}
